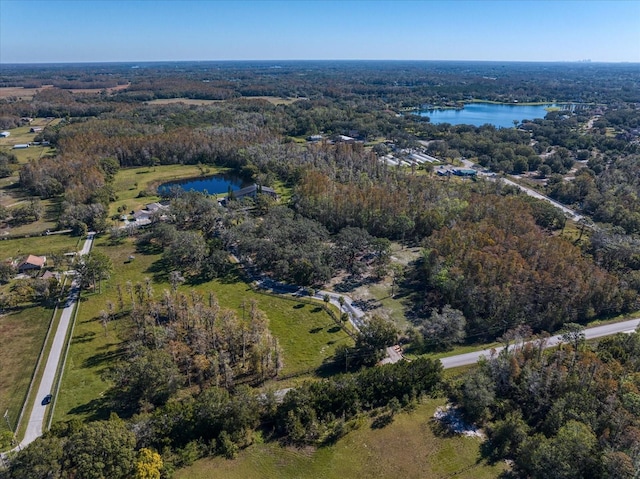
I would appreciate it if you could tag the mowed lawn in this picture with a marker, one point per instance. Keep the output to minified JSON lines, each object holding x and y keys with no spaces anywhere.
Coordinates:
{"x":408,"y":448}
{"x":22,"y":334}
{"x":38,"y":245}
{"x":306,"y":333}
{"x":129,"y":182}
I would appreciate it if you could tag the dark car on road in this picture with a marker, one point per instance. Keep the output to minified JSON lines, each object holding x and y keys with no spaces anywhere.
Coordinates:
{"x":46,"y":400}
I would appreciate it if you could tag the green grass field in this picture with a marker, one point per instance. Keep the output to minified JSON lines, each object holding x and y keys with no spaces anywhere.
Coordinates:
{"x":37,"y":245}
{"x":130,"y":181}
{"x":22,"y":334}
{"x":306,"y":333}
{"x":410,"y":447}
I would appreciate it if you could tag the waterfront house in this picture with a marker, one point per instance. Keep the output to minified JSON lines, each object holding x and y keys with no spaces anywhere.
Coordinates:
{"x":251,"y":192}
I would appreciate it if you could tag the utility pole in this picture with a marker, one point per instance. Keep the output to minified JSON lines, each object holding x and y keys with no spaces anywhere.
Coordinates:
{"x":6,"y":416}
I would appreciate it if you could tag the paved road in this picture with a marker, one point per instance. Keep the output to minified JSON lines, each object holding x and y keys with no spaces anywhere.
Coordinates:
{"x":394,"y":355}
{"x":590,"y":333}
{"x":533,"y":193}
{"x":575,"y":216}
{"x":356,"y":315}
{"x":36,"y":420}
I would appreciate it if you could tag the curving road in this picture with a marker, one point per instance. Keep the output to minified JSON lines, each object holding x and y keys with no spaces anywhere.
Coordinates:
{"x":356,"y":315}
{"x":38,"y":413}
{"x":529,"y":191}
{"x":590,"y":333}
{"x":568,"y":211}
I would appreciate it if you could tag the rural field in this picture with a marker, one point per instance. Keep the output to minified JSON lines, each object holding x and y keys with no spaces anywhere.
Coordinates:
{"x":22,"y":330}
{"x":22,"y":334}
{"x":130,"y":182}
{"x":191,"y":101}
{"x":307,"y":334}
{"x":413,"y":446}
{"x":28,"y":93}
{"x":38,"y":245}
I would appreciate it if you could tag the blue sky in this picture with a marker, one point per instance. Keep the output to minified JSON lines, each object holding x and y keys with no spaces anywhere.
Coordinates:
{"x":146,"y":30}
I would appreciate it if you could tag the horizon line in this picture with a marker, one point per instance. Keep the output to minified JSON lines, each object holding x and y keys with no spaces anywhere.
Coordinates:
{"x":71,"y":62}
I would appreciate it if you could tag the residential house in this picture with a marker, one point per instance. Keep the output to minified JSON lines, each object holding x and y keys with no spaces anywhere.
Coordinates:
{"x":345,"y":139}
{"x":253,"y":191}
{"x":32,"y":263}
{"x":464,"y":172}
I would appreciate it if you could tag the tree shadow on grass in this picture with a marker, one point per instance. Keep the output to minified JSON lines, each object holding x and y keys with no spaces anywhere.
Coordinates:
{"x":102,"y":358}
{"x":383,"y":420}
{"x":144,"y":247}
{"x":329,"y":368}
{"x":84,"y":338}
{"x":440,"y":429}
{"x":101,"y":408}
{"x":160,"y":270}
{"x":95,"y":410}
{"x":231,"y":276}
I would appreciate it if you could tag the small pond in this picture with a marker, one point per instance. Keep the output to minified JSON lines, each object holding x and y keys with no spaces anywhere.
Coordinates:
{"x":213,"y":185}
{"x":478,"y":114}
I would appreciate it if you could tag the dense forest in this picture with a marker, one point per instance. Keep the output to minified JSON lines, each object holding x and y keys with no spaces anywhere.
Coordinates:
{"x":492,"y":260}
{"x":574,"y":411}
{"x":337,"y":186}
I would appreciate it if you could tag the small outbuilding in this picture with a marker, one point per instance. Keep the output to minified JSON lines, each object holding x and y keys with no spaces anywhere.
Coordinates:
{"x":21,"y":146}
{"x":50,"y":275}
{"x":345,"y":139}
{"x":4,"y":134}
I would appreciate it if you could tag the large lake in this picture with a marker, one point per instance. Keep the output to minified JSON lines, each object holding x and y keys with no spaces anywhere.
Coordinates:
{"x":478,"y":114}
{"x":216,"y":184}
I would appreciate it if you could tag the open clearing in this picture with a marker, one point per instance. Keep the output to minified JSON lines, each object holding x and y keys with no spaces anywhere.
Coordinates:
{"x":130,"y":182}
{"x":37,"y":245}
{"x":411,"y":447}
{"x":276,"y":100}
{"x":186,"y":101}
{"x":19,"y":92}
{"x":22,"y":331}
{"x":375,"y":297}
{"x":306,"y":333}
{"x":22,"y":334}
{"x":28,"y":93}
